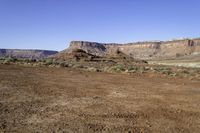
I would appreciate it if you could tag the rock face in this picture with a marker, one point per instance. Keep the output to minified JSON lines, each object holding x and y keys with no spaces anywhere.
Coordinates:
{"x":33,"y":54}
{"x":142,"y":50}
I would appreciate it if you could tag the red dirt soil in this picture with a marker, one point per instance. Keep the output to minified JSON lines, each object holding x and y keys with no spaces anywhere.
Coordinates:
{"x":63,"y":100}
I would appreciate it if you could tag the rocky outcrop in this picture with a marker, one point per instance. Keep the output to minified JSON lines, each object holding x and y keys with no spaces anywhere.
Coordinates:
{"x":142,"y":50}
{"x":33,"y":54}
{"x":94,"y":48}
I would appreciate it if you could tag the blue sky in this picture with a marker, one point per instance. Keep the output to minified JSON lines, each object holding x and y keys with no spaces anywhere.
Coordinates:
{"x":52,"y":24}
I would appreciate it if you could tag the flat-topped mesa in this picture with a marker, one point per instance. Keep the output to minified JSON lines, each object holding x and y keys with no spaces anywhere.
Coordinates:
{"x":142,"y":50}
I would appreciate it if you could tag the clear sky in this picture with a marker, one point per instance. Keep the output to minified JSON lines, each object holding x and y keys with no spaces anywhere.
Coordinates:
{"x":52,"y":24}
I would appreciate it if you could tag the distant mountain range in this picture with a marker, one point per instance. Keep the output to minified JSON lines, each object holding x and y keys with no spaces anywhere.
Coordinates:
{"x":31,"y":54}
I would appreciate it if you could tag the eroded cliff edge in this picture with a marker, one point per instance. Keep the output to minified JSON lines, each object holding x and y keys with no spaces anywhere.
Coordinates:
{"x":142,"y":50}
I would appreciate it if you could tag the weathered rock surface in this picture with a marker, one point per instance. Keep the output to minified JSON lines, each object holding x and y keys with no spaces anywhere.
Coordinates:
{"x":20,"y":53}
{"x":142,"y":50}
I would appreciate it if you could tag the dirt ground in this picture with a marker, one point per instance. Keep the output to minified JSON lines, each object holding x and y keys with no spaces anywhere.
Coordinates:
{"x":35,"y":99}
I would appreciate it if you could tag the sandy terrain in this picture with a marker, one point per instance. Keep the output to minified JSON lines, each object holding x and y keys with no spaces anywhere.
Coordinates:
{"x":65,"y":101}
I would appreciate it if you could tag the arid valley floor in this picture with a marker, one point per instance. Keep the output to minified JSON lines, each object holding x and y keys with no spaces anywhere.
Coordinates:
{"x":42,"y":99}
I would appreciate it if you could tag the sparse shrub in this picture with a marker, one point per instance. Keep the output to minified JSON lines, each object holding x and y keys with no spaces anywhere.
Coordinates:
{"x":12,"y":59}
{"x":167,"y":72}
{"x":173,"y":74}
{"x":33,"y":60}
{"x":119,"y":68}
{"x":77,"y":66}
{"x":49,"y":61}
{"x":26,"y":60}
{"x":93,"y":69}
{"x":6,"y":62}
{"x":179,"y":55}
{"x":20,"y":60}
{"x":70,"y":65}
{"x":141,"y":70}
{"x":9,"y":60}
{"x":164,"y":70}
{"x":2,"y":58}
{"x":185,"y":72}
{"x":63,"y":64}
{"x":132,"y":68}
{"x":42,"y":60}
{"x":147,"y":68}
